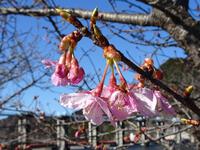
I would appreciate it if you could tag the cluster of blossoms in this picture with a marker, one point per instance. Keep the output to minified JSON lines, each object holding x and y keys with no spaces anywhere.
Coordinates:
{"x":118,"y":100}
{"x":67,"y":69}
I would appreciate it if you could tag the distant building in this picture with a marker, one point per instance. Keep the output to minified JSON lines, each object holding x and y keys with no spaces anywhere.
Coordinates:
{"x":26,"y":130}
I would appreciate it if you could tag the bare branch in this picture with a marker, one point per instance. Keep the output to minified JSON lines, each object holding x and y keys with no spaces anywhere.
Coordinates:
{"x":22,"y":89}
{"x":140,"y":19}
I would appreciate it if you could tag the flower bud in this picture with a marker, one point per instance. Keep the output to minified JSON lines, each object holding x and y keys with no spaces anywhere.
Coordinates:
{"x":187,"y":92}
{"x":139,"y":77}
{"x":148,"y":62}
{"x":110,"y":52}
{"x":94,"y":14}
{"x":190,"y":122}
{"x":158,"y":74}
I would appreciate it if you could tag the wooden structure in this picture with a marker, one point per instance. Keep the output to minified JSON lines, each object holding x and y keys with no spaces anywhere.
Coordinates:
{"x":93,"y":136}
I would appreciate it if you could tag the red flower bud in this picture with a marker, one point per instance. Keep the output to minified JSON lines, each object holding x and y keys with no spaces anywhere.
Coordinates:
{"x":187,"y":92}
{"x":148,"y":61}
{"x":158,"y":74}
{"x":110,"y":52}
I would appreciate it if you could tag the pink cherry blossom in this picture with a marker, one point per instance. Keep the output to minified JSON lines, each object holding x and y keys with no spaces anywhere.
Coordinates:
{"x":93,"y":107}
{"x":111,"y":88}
{"x":59,"y":78}
{"x":67,"y":70}
{"x":76,"y":73}
{"x":122,"y":105}
{"x":92,"y":104}
{"x":149,"y":101}
{"x":95,"y":112}
{"x":146,"y":101}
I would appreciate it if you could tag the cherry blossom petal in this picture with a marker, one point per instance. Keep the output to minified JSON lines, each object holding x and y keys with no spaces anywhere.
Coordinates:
{"x":49,"y":63}
{"x":61,"y":70}
{"x":106,"y":92}
{"x":76,"y":101}
{"x":145,"y":100}
{"x":163,"y":103}
{"x":57,"y":81}
{"x":121,"y":105}
{"x":94,"y":113}
{"x":94,"y":108}
{"x":104,"y":106}
{"x":76,"y":76}
{"x":59,"y":77}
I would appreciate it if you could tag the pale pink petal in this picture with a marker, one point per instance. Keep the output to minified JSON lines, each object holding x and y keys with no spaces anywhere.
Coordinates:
{"x":49,"y":63}
{"x":106,"y":92}
{"x":163,"y":103}
{"x":76,"y":76}
{"x":94,"y":113}
{"x":117,"y":106}
{"x":61,"y":71}
{"x":111,"y":88}
{"x":76,"y":101}
{"x":94,"y":107}
{"x":145,"y":100}
{"x":122,"y":105}
{"x":76,"y":73}
{"x":104,"y":106}
{"x":57,"y":81}
{"x":73,"y":73}
{"x":59,"y":77}
{"x":87,"y":102}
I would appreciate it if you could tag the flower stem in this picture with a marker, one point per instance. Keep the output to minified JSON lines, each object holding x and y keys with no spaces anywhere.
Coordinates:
{"x":99,"y":88}
{"x":122,"y":79}
{"x":112,"y":69}
{"x":104,"y":74}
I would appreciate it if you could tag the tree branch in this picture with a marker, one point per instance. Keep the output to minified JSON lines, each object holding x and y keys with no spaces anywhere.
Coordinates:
{"x":33,"y":82}
{"x":136,"y":19}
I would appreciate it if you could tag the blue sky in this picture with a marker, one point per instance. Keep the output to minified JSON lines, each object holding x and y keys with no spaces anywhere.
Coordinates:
{"x":47,"y":46}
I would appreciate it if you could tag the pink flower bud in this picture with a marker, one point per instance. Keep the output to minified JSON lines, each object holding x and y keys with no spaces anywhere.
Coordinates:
{"x":76,"y":73}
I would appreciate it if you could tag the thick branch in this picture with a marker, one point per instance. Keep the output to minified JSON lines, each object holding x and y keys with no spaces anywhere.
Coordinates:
{"x":139,"y":19}
{"x":173,"y":16}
